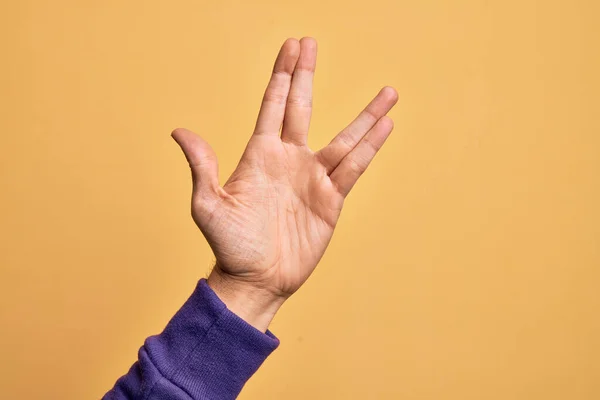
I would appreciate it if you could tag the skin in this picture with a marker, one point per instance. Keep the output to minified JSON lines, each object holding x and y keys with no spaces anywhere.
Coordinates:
{"x":270,"y":224}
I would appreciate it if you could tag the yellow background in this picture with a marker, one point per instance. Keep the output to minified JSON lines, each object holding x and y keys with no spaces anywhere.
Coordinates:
{"x":467,"y":261}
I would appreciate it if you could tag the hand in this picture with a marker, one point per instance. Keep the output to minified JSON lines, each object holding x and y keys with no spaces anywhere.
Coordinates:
{"x":271,"y":222}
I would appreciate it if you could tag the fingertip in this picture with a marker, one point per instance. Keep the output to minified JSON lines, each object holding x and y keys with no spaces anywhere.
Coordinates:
{"x":390,"y":94}
{"x":290,"y":41}
{"x":308,"y":54}
{"x":184,"y":137}
{"x":287,"y":57}
{"x":177,"y":133}
{"x":291,"y":47}
{"x":387,"y":122}
{"x":308,"y":42}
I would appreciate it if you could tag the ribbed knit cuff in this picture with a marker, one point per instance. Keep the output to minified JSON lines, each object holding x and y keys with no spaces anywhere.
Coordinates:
{"x":207,"y":350}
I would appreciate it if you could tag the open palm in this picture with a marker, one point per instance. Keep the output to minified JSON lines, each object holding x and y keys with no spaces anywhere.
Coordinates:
{"x":271,"y":222}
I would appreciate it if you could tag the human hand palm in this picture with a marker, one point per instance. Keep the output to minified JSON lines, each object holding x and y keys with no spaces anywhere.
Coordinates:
{"x":271,"y":222}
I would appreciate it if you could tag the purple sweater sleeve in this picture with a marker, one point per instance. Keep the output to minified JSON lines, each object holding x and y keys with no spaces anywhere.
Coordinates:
{"x":204,"y":352}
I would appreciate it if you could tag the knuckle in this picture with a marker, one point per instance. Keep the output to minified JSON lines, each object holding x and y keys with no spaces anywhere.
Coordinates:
{"x":274,"y":96}
{"x":345,"y":140}
{"x":299,"y":101}
{"x":370,"y":115}
{"x":355,"y":166}
{"x":371,"y":144}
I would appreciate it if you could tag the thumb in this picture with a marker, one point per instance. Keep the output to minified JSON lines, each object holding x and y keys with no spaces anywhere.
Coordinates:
{"x":202,"y":160}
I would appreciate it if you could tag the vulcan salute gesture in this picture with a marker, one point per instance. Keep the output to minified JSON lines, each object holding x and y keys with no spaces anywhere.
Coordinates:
{"x":268,"y":227}
{"x":271,"y":222}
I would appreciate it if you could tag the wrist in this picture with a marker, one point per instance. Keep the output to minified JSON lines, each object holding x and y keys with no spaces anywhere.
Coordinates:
{"x":255,"y":305}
